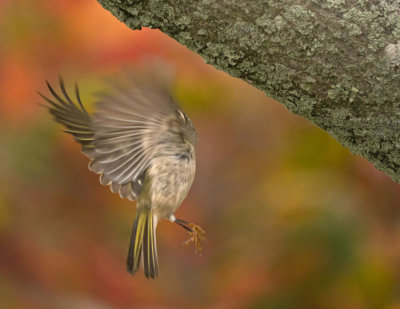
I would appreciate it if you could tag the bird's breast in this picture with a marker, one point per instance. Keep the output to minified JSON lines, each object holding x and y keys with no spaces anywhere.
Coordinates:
{"x":170,"y":180}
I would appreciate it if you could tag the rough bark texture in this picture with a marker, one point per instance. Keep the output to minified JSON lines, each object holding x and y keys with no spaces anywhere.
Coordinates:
{"x":334,"y":62}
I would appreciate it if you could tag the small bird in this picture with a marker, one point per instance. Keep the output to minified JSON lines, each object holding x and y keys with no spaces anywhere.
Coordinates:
{"x":143,"y":146}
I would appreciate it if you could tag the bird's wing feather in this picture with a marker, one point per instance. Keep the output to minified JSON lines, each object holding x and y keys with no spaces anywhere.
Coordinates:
{"x":73,"y":116}
{"x":130,"y":127}
{"x":80,"y":124}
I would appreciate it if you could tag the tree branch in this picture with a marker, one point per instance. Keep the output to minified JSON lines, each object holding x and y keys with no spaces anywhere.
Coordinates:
{"x":334,"y":62}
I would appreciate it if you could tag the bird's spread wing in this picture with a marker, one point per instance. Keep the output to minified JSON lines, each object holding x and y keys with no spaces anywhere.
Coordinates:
{"x":80,"y":124}
{"x":130,"y":125}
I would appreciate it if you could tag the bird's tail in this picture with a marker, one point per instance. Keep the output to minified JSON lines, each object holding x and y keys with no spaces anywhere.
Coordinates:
{"x":143,"y":243}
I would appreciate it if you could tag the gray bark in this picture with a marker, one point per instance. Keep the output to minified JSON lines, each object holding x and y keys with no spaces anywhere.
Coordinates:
{"x":335,"y":62}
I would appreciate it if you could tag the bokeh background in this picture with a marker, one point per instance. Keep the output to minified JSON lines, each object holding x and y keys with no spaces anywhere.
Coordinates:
{"x":293,"y":220}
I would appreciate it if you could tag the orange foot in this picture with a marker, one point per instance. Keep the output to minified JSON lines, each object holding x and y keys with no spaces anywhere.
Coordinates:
{"x":196,"y":234}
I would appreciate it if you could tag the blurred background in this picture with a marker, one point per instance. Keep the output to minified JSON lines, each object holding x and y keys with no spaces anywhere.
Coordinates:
{"x":293,"y":220}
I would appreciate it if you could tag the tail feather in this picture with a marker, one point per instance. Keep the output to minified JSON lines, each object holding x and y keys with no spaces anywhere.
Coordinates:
{"x":150,"y":261}
{"x":143,"y":243}
{"x":131,"y":265}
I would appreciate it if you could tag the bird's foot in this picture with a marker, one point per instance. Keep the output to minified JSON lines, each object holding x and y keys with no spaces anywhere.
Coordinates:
{"x":196,"y":236}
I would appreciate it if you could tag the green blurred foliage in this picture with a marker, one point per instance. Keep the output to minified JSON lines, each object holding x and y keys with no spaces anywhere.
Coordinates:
{"x":293,"y":220}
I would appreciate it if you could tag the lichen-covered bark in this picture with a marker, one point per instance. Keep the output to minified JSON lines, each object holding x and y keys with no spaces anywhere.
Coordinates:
{"x":334,"y":62}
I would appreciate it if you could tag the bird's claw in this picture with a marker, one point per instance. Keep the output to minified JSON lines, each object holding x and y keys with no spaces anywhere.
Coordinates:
{"x":196,"y":234}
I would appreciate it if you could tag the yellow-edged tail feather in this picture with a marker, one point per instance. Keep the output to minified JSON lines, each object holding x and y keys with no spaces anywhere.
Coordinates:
{"x":143,"y":243}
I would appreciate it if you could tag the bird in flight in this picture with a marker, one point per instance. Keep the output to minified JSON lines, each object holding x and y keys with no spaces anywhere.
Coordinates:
{"x":142,"y":145}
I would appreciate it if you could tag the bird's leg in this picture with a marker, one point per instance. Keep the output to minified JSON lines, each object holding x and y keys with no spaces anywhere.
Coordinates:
{"x":195,"y":232}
